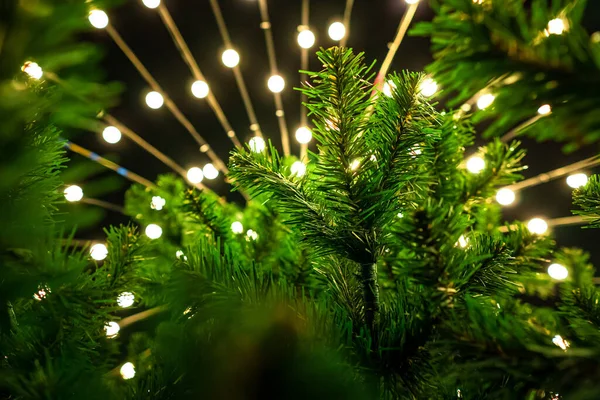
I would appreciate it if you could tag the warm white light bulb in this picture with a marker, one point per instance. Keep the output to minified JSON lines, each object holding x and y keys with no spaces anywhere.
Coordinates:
{"x":98,"y":251}
{"x":475,"y":164}
{"x":298,"y":168}
{"x":537,"y":226}
{"x":112,"y":329}
{"x":306,"y":39}
{"x":303,"y":135}
{"x":556,"y":26}
{"x":153,"y":231}
{"x":428,"y":87}
{"x":98,"y":19}
{"x":127,"y":370}
{"x":276,"y":83}
{"x":505,"y":196}
{"x":151,"y":3}
{"x":257,"y":144}
{"x":337,"y":31}
{"x":485,"y":100}
{"x":210,"y":172}
{"x":73,"y":193}
{"x":577,"y":180}
{"x":411,"y":1}
{"x":230,"y":58}
{"x":200,"y":89}
{"x":237,"y":227}
{"x":111,"y":134}
{"x":388,"y":88}
{"x":155,"y":100}
{"x":558,"y":272}
{"x":180,"y":255}
{"x":251,"y":234}
{"x":545,"y":109}
{"x":32,"y":69}
{"x":157,"y":203}
{"x":195,"y":175}
{"x":463,"y":242}
{"x":354,"y":164}
{"x":125,"y":299}
{"x":560,"y":342}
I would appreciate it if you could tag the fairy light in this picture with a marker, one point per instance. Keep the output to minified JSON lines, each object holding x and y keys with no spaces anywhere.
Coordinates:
{"x":475,"y":164}
{"x":151,"y":3}
{"x":200,"y":89}
{"x":251,"y":234}
{"x":127,"y":370}
{"x":32,"y":69}
{"x":485,"y":100}
{"x":98,"y":19}
{"x":303,"y":135}
{"x":157,"y":203}
{"x":73,"y":193}
{"x":337,"y":31}
{"x":577,"y":180}
{"x":276,"y":83}
{"x":111,"y":134}
{"x":154,"y":100}
{"x":112,"y":329}
{"x":505,"y":196}
{"x":298,"y":169}
{"x":388,"y":88}
{"x":428,"y":87}
{"x":195,"y":175}
{"x":41,"y":293}
{"x":126,"y":299}
{"x":257,"y":144}
{"x":210,"y":172}
{"x":98,"y":251}
{"x":411,"y":1}
{"x":463,"y":242}
{"x":560,"y":342}
{"x":558,"y":272}
{"x":545,"y":109}
{"x":556,"y":26}
{"x":306,"y":39}
{"x":237,"y":227}
{"x":537,"y":226}
{"x":180,"y":255}
{"x":153,"y":231}
{"x":354,"y":164}
{"x":230,"y":58}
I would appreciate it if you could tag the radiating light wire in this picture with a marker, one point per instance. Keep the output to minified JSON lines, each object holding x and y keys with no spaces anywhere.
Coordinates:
{"x":346,"y":21}
{"x":102,"y":204}
{"x":303,"y":77}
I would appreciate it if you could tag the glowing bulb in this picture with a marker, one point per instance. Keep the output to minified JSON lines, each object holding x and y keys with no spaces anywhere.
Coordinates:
{"x":276,"y":83}
{"x":577,"y":180}
{"x":98,"y":19}
{"x":303,"y":135}
{"x":537,"y":226}
{"x":306,"y":39}
{"x":298,"y":168}
{"x":558,"y":272}
{"x":411,"y":1}
{"x":257,"y":144}
{"x":41,"y":293}
{"x":237,"y":227}
{"x":210,"y":172}
{"x":337,"y":31}
{"x":127,"y":370}
{"x":125,"y":299}
{"x":200,"y":89}
{"x":151,"y":3}
{"x":230,"y":58}
{"x":354,"y":164}
{"x":153,"y":231}
{"x":475,"y":164}
{"x":73,"y":193}
{"x":556,"y":26}
{"x":180,"y":256}
{"x":155,"y":100}
{"x":463,"y":242}
{"x":560,"y":342}
{"x":485,"y":101}
{"x":400,"y":215}
{"x":195,"y":175}
{"x":388,"y":88}
{"x":111,"y":134}
{"x":98,"y":251}
{"x":545,"y":109}
{"x":112,"y":329}
{"x":505,"y":196}
{"x":252,"y":234}
{"x":157,"y":203}
{"x":428,"y":87}
{"x":32,"y":69}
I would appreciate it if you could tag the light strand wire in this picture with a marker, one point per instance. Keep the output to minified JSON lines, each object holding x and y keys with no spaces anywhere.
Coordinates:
{"x":103,"y":204}
{"x":303,"y":77}
{"x":346,"y":21}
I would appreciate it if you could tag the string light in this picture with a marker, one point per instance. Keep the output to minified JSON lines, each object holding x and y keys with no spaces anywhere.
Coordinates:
{"x":98,"y":251}
{"x":400,"y":215}
{"x":252,"y":234}
{"x":127,"y":370}
{"x":505,"y":196}
{"x":32,"y":69}
{"x":155,"y":100}
{"x":230,"y":58}
{"x":306,"y":39}
{"x":428,"y":87}
{"x":126,"y":299}
{"x":276,"y":83}
{"x":537,"y":226}
{"x":200,"y":89}
{"x":298,"y":168}
{"x":485,"y":100}
{"x":354,"y":164}
{"x":257,"y":144}
{"x":558,"y":272}
{"x":98,"y":19}
{"x":475,"y":164}
{"x":41,"y":293}
{"x":556,"y":26}
{"x":180,"y":256}
{"x":237,"y":227}
{"x":112,"y":329}
{"x":73,"y":193}
{"x":545,"y":109}
{"x":195,"y":175}
{"x":411,"y":1}
{"x":388,"y":88}
{"x":157,"y":203}
{"x":153,"y":231}
{"x":303,"y":135}
{"x":151,"y":3}
{"x":463,"y":242}
{"x":337,"y":31}
{"x":560,"y":342}
{"x":577,"y":180}
{"x":111,"y":134}
{"x":210,"y":172}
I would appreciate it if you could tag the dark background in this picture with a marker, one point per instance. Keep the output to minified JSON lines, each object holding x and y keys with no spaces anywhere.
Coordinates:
{"x":373,"y":25}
